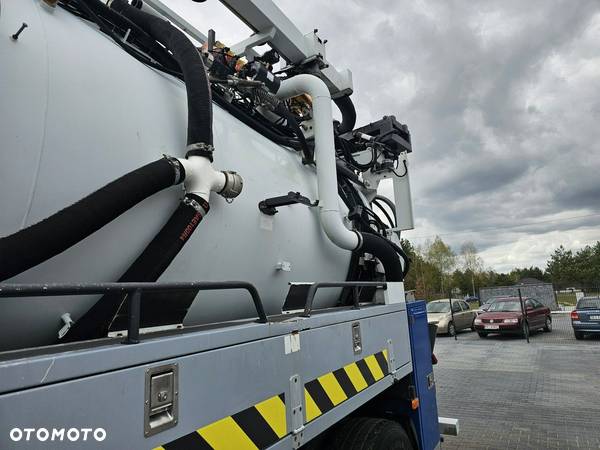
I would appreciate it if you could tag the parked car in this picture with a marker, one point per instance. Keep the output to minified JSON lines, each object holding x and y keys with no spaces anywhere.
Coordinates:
{"x":449,"y":322}
{"x":505,"y":315}
{"x":483,"y":308}
{"x":586,"y":317}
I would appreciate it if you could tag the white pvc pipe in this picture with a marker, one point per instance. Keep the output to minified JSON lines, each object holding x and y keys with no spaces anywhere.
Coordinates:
{"x":200,"y":177}
{"x":331,"y":218}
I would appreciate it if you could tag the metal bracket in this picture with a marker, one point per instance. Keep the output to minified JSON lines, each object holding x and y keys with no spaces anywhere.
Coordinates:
{"x":297,"y":409}
{"x":269,"y":205}
{"x":243,"y":48}
{"x":356,"y":338}
{"x":391,"y":358}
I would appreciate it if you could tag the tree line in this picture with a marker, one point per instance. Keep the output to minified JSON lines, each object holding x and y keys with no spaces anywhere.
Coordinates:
{"x":437,"y":269}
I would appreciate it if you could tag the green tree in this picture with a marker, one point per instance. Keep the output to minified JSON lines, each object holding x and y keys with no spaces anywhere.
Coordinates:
{"x":441,"y":256}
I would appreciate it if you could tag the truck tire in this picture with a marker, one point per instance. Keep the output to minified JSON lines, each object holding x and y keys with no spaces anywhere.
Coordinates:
{"x":369,"y":433}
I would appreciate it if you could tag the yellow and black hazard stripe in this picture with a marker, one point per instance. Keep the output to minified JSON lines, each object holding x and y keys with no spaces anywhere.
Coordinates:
{"x":253,"y":428}
{"x":329,"y":390}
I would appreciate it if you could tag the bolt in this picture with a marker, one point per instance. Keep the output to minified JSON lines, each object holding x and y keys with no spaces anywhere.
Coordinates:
{"x":15,"y":36}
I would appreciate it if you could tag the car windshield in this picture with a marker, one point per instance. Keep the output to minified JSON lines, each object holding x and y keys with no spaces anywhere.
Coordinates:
{"x":438,"y":307}
{"x":589,"y":303}
{"x":504,"y":306}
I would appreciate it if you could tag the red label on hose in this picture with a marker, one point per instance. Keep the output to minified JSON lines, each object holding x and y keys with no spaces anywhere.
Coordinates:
{"x":189,"y":229}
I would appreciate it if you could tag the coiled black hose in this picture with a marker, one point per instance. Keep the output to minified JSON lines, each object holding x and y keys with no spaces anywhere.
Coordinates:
{"x":199,"y":100}
{"x":39,"y":242}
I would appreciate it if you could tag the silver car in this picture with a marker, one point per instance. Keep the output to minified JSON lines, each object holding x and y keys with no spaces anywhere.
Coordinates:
{"x":461,"y":317}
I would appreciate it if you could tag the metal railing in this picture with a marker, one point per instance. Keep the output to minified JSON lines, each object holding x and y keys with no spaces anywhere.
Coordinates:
{"x":310,"y":295}
{"x":134,"y":291}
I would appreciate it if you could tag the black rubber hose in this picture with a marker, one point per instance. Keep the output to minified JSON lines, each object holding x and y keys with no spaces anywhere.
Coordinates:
{"x":148,"y":267}
{"x":343,"y":171}
{"x":392,"y":223}
{"x":404,"y":256}
{"x":199,"y":100}
{"x":390,"y":203}
{"x":348,"y":113}
{"x":383,"y":250}
{"x":39,"y":242}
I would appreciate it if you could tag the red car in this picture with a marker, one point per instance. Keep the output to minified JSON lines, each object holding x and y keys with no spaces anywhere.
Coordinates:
{"x":505,"y":316}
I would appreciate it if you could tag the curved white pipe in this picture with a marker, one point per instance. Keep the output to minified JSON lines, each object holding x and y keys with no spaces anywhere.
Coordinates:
{"x":331,"y":219}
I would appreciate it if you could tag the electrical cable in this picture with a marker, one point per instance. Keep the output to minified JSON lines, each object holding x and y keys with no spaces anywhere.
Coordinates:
{"x":405,"y":169}
{"x":385,"y":213}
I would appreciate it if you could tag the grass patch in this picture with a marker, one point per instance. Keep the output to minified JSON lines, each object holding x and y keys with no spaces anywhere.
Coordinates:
{"x":566,"y":298}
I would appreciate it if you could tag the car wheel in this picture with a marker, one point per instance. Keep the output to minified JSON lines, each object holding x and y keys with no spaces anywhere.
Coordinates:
{"x":578,"y":335}
{"x":482,"y":334}
{"x":473,"y":325}
{"x":525,"y":330}
{"x":451,"y":329}
{"x":548,"y":326}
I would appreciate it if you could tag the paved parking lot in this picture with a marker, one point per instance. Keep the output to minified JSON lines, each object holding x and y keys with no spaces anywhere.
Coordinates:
{"x":512,"y":395}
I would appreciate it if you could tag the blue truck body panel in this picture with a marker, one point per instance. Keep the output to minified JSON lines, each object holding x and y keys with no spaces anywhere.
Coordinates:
{"x":425,"y":417}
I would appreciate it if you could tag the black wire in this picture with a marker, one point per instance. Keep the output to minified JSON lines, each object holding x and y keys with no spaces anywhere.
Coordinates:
{"x":387,"y":216}
{"x":391,"y":205}
{"x":353,"y":162}
{"x":405,"y":170}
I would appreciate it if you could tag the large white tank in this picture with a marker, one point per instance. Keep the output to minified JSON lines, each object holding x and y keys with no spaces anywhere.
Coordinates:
{"x":76,"y":112}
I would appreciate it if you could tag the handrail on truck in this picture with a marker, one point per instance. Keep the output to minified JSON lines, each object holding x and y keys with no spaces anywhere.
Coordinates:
{"x":134,"y":291}
{"x":310,"y":295}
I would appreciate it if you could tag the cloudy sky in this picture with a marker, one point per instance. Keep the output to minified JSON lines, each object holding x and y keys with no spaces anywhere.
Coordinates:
{"x":502,"y":99}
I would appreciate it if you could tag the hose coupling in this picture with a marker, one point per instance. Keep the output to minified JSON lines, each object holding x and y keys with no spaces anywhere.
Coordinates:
{"x":233,"y":184}
{"x":200,"y":149}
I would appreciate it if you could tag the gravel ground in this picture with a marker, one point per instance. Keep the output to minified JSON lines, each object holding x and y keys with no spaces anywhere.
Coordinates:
{"x":508,"y":394}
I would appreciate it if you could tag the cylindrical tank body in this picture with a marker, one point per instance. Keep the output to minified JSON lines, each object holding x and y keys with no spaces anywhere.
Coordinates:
{"x":78,"y":112}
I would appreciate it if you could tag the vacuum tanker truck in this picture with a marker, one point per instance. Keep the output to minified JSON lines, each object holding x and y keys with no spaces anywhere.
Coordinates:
{"x":194,"y":251}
